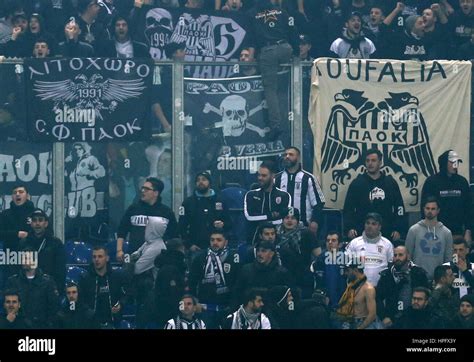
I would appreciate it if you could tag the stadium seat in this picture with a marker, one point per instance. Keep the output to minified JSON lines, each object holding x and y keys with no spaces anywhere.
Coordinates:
{"x":125,"y":324}
{"x":233,"y":199}
{"x":78,"y":253}
{"x":111,"y":247}
{"x":74,"y":273}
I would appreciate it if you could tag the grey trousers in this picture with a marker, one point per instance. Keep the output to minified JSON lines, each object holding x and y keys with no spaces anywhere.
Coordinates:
{"x":270,"y":59}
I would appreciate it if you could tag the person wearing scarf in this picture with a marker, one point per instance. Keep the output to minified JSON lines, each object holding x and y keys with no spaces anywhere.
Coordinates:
{"x":395,"y":286}
{"x":212,"y":276}
{"x":353,"y":44}
{"x":187,"y":317}
{"x":361,"y":315}
{"x":249,"y":315}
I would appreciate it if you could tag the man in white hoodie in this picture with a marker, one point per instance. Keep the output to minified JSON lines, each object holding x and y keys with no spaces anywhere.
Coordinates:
{"x":429,"y":242}
{"x":372,"y":248}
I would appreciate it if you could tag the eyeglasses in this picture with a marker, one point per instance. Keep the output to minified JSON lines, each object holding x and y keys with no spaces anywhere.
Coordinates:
{"x":144,"y":188}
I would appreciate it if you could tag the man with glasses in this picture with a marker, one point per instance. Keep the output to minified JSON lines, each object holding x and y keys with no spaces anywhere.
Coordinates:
{"x":138,"y":215}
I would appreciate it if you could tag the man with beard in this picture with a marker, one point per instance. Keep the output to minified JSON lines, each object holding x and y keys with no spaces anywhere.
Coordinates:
{"x":452,"y":192}
{"x":353,"y":44}
{"x":51,"y":253}
{"x":376,"y":250}
{"x":201,"y":213}
{"x":212,"y":277}
{"x":122,"y":45}
{"x":464,"y":319}
{"x":15,"y":223}
{"x":429,"y":242}
{"x":249,"y":315}
{"x":420,"y":315}
{"x":395,"y":286}
{"x":267,"y":203}
{"x":305,"y":191}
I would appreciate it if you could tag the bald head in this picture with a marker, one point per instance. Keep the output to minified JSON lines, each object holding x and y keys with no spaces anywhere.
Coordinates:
{"x":400,"y":256}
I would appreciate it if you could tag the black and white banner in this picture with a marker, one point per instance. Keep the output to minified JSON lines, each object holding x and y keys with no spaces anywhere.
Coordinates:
{"x":211,"y":36}
{"x":411,"y":111}
{"x":229,"y":124}
{"x":88,"y":99}
{"x":86,"y":187}
{"x":30,"y":165}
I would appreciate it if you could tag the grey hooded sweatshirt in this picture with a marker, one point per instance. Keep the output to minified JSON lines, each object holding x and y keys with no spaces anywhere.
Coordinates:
{"x":429,"y":246}
{"x":145,"y":255}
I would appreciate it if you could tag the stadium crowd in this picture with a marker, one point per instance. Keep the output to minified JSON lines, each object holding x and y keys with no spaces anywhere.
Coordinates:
{"x":187,"y":272}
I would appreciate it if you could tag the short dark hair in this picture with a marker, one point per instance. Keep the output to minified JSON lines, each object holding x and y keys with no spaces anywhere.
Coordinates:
{"x":458,"y":240}
{"x":373,"y":151}
{"x":82,"y":5}
{"x":422,"y":290}
{"x":20,"y":185}
{"x":71,"y":285}
{"x":334,"y":232}
{"x":294,"y":148}
{"x":374,"y":216}
{"x":431,"y":199}
{"x":117,"y":18}
{"x":440,"y":271}
{"x":269,"y":165}
{"x":252,"y":293}
{"x":378,"y":6}
{"x":9,"y":292}
{"x":218,"y":231}
{"x":100,"y":247}
{"x":157,"y":184}
{"x":266,"y":225}
{"x":190,"y":296}
{"x":174,"y":244}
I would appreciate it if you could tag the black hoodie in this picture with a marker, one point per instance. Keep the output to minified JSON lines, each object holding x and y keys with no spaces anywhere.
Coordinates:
{"x":170,"y":284}
{"x":136,"y":217}
{"x":454,"y":197}
{"x":386,"y":200}
{"x":13,"y":220}
{"x":101,"y":293}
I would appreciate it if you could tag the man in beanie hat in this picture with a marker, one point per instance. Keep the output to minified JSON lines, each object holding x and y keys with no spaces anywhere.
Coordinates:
{"x":280,"y":307}
{"x":200,"y":213}
{"x":51,"y":253}
{"x":297,"y":247}
{"x":136,"y":217}
{"x":263,"y":272}
{"x":465,"y":318}
{"x":452,"y":192}
{"x":407,"y":43}
{"x":353,"y":44}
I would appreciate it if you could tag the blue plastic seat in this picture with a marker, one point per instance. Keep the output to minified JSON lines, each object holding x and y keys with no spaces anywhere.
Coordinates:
{"x":78,"y":253}
{"x":233,"y":198}
{"x":74,"y":273}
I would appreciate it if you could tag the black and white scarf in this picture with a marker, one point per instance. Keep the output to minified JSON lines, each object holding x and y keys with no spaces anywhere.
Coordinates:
{"x":195,"y":323}
{"x":245,"y":320}
{"x":403,"y":274}
{"x":213,"y":270}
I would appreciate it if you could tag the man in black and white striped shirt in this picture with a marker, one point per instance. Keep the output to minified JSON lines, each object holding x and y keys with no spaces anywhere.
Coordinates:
{"x":187,"y":317}
{"x":305,"y":191}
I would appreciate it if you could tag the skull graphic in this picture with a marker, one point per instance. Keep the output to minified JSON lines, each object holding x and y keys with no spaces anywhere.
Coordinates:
{"x":159,"y":18}
{"x":234,"y":115}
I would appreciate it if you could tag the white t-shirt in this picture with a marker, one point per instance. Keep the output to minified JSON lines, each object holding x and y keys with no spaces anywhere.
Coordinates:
{"x":376,"y":256}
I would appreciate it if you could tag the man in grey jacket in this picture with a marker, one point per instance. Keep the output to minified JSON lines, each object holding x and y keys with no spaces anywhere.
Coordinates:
{"x":429,"y":242}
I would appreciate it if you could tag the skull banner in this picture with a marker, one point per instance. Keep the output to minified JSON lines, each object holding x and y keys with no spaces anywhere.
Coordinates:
{"x":228,"y":126}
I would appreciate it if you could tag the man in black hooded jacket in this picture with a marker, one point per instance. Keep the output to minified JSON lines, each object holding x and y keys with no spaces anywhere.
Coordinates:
{"x":104,"y":290}
{"x":15,"y":222}
{"x":452,"y":192}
